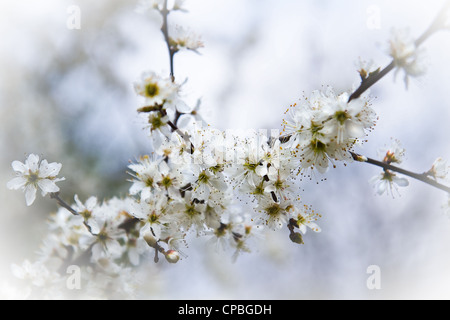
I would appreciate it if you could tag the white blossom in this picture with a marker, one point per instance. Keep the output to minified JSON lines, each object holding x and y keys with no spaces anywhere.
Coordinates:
{"x":406,"y":55}
{"x":388,"y":181}
{"x":34,"y":174}
{"x":306,"y":218}
{"x":440,"y":169}
{"x":184,"y":39}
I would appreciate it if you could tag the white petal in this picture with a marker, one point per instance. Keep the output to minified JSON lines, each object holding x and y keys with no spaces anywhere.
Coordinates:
{"x":270,"y":188}
{"x":49,"y":170}
{"x":182,"y":107}
{"x":78,"y":202}
{"x":19,"y":166}
{"x":32,"y":162}
{"x":261,"y":170}
{"x":91,"y":203}
{"x":382,"y":187}
{"x":164,"y":168}
{"x":136,"y":187}
{"x":402,"y":182}
{"x":113,"y":247}
{"x":47,"y":186}
{"x":30,"y":194}
{"x":219,"y":184}
{"x":133,"y":255}
{"x":16,"y":183}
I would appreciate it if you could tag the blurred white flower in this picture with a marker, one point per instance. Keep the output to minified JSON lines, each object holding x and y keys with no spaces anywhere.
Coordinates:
{"x":85,"y":210}
{"x":392,"y":154}
{"x":388,"y":181}
{"x":149,"y":5}
{"x":184,"y":39}
{"x":156,"y":90}
{"x":440,"y":169}
{"x":406,"y":55}
{"x":146,"y":175}
{"x":365,"y":68}
{"x":34,"y":174}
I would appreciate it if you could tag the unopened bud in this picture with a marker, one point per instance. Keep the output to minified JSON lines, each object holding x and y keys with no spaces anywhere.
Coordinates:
{"x":151,"y":240}
{"x":296,"y":237}
{"x":172,"y":256}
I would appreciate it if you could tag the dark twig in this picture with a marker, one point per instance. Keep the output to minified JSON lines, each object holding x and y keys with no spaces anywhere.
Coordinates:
{"x":423,"y":177}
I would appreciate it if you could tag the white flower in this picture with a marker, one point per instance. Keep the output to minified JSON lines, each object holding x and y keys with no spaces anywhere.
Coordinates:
{"x":440,"y":169}
{"x":152,"y":5}
{"x":85,"y":210}
{"x":206,"y":180}
{"x":156,"y":90}
{"x":153,"y":214}
{"x":34,"y":174}
{"x":274,"y":214}
{"x":183,"y":39}
{"x":278,"y":182}
{"x":249,"y":169}
{"x":392,"y":154}
{"x":190,"y":213}
{"x":306,"y":218}
{"x":104,"y":239}
{"x":388,"y":181}
{"x":326,"y":126}
{"x":346,"y":121}
{"x":147,"y":174}
{"x":172,"y":180}
{"x":406,"y":55}
{"x":149,"y":5}
{"x":365,"y":68}
{"x":178,"y":5}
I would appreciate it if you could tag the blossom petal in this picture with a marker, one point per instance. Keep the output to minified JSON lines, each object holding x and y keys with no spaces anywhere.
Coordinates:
{"x":401,"y":182}
{"x":16,"y":183}
{"x":19,"y":166}
{"x":47,"y":186}
{"x":49,"y":170}
{"x":30,"y":194}
{"x":32,"y":162}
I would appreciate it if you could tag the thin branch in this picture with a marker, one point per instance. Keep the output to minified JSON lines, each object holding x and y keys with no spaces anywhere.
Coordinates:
{"x":371,"y":80}
{"x":423,"y":177}
{"x":165,"y":30}
{"x":66,"y":206}
{"x":437,"y":24}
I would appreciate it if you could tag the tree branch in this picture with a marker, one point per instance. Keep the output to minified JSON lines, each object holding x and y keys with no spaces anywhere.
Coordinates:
{"x":423,"y":177}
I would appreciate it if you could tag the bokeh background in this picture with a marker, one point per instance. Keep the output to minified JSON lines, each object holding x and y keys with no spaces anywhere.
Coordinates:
{"x":68,"y":96}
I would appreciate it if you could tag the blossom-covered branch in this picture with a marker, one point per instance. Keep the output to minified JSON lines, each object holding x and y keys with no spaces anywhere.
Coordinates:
{"x":404,"y":55}
{"x":201,"y":181}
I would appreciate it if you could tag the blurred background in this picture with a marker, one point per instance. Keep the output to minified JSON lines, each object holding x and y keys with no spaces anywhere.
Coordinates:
{"x":68,"y":95}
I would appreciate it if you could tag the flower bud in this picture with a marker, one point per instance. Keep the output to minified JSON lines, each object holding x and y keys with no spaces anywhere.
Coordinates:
{"x":172,"y":256}
{"x":151,"y":240}
{"x":296,"y":237}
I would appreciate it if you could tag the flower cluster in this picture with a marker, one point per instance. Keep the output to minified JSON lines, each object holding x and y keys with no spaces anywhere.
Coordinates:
{"x":325,"y":127}
{"x":102,"y":239}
